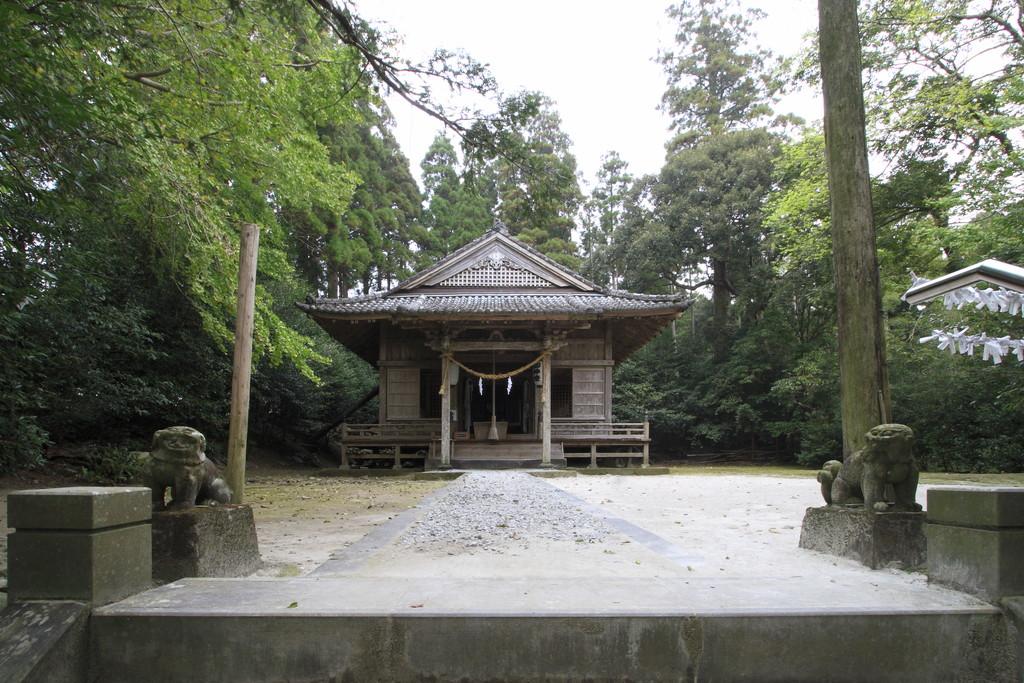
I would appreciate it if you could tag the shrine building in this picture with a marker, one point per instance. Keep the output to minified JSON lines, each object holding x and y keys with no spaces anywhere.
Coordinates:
{"x":495,"y":356}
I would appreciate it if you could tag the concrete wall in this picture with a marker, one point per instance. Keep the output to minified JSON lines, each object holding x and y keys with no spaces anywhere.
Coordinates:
{"x":778,"y":647}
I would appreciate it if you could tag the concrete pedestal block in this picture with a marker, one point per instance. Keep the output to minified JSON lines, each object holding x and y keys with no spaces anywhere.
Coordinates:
{"x":79,"y":543}
{"x":976,"y":540}
{"x":204,"y":541}
{"x":44,"y":642}
{"x":877,"y":539}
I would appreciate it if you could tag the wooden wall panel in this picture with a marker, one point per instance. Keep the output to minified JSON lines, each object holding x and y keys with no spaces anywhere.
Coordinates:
{"x":588,"y":393}
{"x":582,"y":349}
{"x":404,"y":345}
{"x":403,"y":393}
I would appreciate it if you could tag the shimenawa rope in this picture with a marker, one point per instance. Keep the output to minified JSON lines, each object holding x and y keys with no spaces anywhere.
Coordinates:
{"x":448,"y":358}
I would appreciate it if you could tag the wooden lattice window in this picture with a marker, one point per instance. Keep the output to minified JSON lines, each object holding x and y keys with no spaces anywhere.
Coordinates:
{"x":495,"y":271}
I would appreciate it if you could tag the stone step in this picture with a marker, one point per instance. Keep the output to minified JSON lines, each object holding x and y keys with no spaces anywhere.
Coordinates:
{"x":498,"y":456}
{"x":394,"y":629}
{"x":484,"y":463}
{"x":506,"y":450}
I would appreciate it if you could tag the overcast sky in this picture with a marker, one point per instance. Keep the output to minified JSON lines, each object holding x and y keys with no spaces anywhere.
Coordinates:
{"x":594,"y":58}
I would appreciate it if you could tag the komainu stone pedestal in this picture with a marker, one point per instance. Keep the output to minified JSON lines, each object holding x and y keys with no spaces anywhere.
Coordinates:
{"x":89,"y":543}
{"x":204,"y":541}
{"x":875,"y":539}
{"x":976,"y":540}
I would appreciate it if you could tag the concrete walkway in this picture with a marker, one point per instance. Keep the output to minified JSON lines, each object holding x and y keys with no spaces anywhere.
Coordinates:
{"x":727,"y":597}
{"x":646,"y":564}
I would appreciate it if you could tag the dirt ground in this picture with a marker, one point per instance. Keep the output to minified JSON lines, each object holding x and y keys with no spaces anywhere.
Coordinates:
{"x":301,"y":518}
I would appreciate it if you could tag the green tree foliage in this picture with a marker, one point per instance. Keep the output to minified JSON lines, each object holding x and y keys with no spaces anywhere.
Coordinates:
{"x":642,"y":245}
{"x":459,"y":203}
{"x":537,"y":188}
{"x":135,"y":141}
{"x":173,"y":127}
{"x":699,"y":225}
{"x":604,"y":215}
{"x":943,"y":202}
{"x":367,"y":244}
{"x":338,"y":250}
{"x":711,"y":195}
{"x":946,"y":88}
{"x":928,"y":386}
{"x":715,"y":82}
{"x":517,"y":166}
{"x":718,"y":169}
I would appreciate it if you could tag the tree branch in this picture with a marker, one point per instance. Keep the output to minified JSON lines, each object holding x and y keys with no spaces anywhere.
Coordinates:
{"x":698,"y":285}
{"x":147,"y":74}
{"x":147,"y":81}
{"x":387,"y":72}
{"x":990,"y":15}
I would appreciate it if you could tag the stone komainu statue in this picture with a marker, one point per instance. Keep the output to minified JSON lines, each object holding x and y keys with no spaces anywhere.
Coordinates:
{"x":886,"y":461}
{"x":178,"y":460}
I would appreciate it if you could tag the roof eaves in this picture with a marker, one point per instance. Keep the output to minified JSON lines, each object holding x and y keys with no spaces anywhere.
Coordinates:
{"x":992,"y":271}
{"x":469,"y":246}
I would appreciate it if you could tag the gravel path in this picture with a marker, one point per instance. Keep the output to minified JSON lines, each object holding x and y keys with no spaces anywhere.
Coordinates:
{"x":494,"y":511}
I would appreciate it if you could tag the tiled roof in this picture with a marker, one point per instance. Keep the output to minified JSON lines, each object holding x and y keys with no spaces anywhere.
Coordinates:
{"x":498,"y":303}
{"x":417,"y":296}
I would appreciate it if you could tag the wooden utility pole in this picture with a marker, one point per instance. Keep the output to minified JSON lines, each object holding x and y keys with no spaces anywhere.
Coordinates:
{"x":863,"y":376}
{"x":238,"y":430}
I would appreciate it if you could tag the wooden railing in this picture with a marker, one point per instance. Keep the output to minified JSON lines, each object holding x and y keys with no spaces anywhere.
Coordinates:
{"x":387,"y":440}
{"x":426,"y":429}
{"x":586,"y":431}
{"x":391,"y":430}
{"x":392,"y":440}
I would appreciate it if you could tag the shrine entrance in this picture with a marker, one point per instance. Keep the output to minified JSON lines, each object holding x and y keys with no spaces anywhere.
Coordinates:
{"x":513,"y":401}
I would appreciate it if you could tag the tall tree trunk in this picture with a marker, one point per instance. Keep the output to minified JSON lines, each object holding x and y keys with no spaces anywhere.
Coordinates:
{"x":332,"y":281}
{"x":863,"y":376}
{"x":721,"y":296}
{"x":331,"y":264}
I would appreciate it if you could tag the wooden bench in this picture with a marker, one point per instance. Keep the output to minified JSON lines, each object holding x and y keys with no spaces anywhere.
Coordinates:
{"x":603,"y":440}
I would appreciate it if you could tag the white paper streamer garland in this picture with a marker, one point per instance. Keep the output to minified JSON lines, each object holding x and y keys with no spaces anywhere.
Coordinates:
{"x":999,"y":300}
{"x":992,"y":348}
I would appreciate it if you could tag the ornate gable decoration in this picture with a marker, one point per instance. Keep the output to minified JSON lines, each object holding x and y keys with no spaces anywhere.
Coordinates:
{"x":495,"y":270}
{"x":496,"y":260}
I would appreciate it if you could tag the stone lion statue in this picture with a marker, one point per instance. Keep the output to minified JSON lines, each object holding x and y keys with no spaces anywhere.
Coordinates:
{"x":885,"y":463}
{"x":178,"y":461}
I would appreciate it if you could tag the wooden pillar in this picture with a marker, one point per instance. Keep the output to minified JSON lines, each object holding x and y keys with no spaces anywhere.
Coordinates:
{"x":647,"y":444}
{"x":398,"y":458}
{"x":446,"y":413}
{"x":545,"y":401}
{"x":593,"y":456}
{"x":238,"y":428}
{"x":344,"y":455}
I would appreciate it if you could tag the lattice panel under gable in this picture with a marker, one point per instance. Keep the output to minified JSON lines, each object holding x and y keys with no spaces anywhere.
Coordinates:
{"x":495,"y":271}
